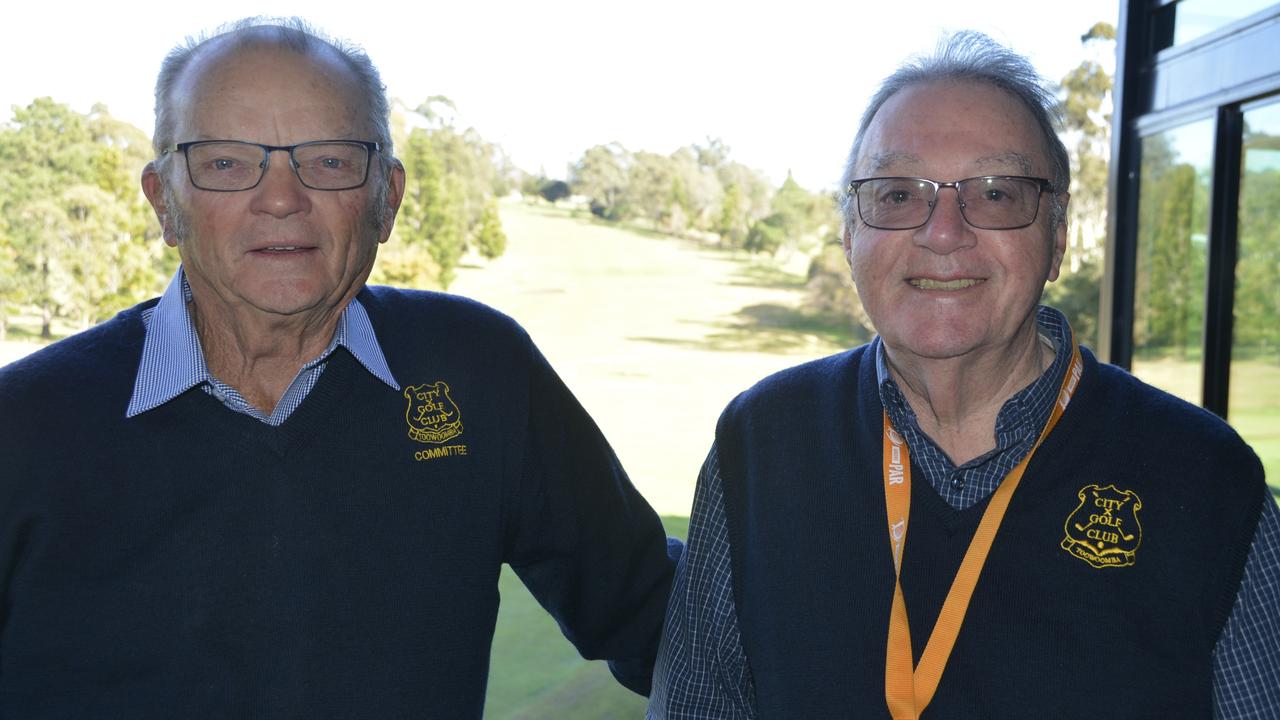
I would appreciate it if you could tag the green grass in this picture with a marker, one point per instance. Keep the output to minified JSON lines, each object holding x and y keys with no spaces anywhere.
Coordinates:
{"x":764,"y":274}
{"x":772,"y":328}
{"x":536,"y":674}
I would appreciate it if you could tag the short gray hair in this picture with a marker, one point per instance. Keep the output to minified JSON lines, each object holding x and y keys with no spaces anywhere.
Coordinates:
{"x":293,"y":34}
{"x":971,"y":56}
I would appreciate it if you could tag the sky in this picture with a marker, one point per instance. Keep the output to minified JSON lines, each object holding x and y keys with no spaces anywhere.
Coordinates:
{"x":782,"y":84}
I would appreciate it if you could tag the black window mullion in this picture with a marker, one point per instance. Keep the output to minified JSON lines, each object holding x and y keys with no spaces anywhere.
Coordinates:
{"x":1221,"y":282}
{"x":1133,"y":86}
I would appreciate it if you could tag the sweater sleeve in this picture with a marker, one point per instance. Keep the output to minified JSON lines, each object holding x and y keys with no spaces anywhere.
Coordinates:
{"x":702,"y":669}
{"x":581,"y":537}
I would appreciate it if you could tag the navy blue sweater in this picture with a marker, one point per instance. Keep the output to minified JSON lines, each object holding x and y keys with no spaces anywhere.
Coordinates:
{"x":1048,"y":634}
{"x":195,"y":562}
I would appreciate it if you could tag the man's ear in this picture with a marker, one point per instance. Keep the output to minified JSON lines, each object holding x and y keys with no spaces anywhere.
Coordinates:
{"x":153,"y":188}
{"x":395,"y":193}
{"x":1059,"y":239}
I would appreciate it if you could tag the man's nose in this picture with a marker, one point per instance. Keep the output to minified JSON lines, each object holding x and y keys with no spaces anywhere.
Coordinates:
{"x":946,"y":230}
{"x":281,"y":192}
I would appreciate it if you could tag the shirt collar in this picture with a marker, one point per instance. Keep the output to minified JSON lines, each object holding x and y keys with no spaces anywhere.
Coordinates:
{"x":173,"y":361}
{"x":1023,"y":409}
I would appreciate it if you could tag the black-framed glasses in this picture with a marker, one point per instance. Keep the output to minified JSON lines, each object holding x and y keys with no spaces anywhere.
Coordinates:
{"x":233,"y":165}
{"x":989,"y":202}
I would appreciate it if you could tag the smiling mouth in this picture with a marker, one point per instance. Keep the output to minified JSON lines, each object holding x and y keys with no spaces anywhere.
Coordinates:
{"x":281,"y":249}
{"x":961,"y":284}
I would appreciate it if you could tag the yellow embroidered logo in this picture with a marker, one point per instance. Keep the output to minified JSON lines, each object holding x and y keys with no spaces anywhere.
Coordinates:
{"x":1104,"y":530}
{"x":432,"y":414}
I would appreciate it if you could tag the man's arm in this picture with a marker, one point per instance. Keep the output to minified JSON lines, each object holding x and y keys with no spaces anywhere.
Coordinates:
{"x":1246,"y":661}
{"x":582,"y":539}
{"x":702,"y":669}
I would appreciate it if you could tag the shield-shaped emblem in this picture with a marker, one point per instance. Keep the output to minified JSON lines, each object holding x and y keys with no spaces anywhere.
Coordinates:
{"x":432,"y":414}
{"x":1104,"y":530}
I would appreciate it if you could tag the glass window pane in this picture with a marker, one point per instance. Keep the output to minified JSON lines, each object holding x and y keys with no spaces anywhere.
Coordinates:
{"x":1255,"y":339}
{"x":1173,"y":238}
{"x":1195,"y":18}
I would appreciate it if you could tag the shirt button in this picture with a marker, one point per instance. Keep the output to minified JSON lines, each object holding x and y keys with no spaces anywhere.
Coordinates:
{"x":957,"y":482}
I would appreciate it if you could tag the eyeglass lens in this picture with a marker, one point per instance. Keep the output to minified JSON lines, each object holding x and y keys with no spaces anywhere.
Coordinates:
{"x":992,"y":203}
{"x":239,"y":166}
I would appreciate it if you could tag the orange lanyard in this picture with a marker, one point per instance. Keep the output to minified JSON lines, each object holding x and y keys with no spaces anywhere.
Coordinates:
{"x":909,"y":691}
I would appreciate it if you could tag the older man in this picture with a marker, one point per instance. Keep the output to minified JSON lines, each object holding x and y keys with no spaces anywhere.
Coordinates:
{"x":970,"y":514}
{"x":276,"y":492}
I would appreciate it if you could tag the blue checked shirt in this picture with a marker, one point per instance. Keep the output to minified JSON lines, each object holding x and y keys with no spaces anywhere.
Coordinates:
{"x":703,"y":672}
{"x":173,"y":362}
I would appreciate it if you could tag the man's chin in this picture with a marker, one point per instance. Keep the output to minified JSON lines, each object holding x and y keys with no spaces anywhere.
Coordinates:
{"x":935,"y":343}
{"x":287,"y":299}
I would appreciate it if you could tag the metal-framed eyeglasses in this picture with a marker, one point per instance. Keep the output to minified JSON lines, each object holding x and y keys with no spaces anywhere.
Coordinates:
{"x":988,"y":202}
{"x":234,"y":165}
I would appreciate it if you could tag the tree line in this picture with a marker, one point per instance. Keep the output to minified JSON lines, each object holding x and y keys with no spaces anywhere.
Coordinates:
{"x":698,"y":190}
{"x":1173,"y":242}
{"x":1256,"y":330}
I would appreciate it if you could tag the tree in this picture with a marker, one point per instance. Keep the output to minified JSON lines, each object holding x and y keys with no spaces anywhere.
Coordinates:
{"x":1076,"y":295}
{"x":831,"y":293}
{"x":432,"y":221}
{"x":491,"y":241}
{"x":713,"y":155}
{"x":695,"y":191}
{"x":797,"y":214}
{"x":752,"y":201}
{"x":76,"y":233}
{"x":1257,"y":301}
{"x":531,"y":185}
{"x":743,"y":198}
{"x":1085,"y":95}
{"x":46,"y":145}
{"x":1172,"y":230}
{"x":452,"y":179}
{"x":730,"y":225}
{"x":601,"y":176}
{"x":767,"y":235}
{"x":649,"y":187}
{"x":554,"y":190}
{"x":100,"y":267}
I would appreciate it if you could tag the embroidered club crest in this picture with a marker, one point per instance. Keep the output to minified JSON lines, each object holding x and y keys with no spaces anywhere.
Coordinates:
{"x":1104,"y":530}
{"x":432,"y":414}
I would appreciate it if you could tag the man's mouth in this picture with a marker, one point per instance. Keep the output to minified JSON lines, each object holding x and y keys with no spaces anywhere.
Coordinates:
{"x":959,"y":284}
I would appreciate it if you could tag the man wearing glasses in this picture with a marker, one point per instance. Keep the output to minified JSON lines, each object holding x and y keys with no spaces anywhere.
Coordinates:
{"x":274,"y":491}
{"x":970,"y":514}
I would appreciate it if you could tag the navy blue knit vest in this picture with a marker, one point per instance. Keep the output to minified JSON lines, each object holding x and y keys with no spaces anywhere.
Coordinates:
{"x":1048,"y":634}
{"x":194,"y":562}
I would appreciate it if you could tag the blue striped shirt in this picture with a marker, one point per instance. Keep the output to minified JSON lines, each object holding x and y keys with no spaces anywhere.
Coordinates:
{"x":703,"y":671}
{"x":1017,"y":425}
{"x":173,"y":361}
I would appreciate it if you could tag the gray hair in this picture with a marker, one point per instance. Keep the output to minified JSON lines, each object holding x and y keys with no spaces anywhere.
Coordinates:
{"x":971,"y":56}
{"x":292,"y":34}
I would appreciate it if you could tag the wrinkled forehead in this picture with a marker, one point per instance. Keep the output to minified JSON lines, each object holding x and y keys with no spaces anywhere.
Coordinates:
{"x":1006,"y":162}
{"x":969,"y":128}
{"x":255,"y":78}
{"x":235,"y":62}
